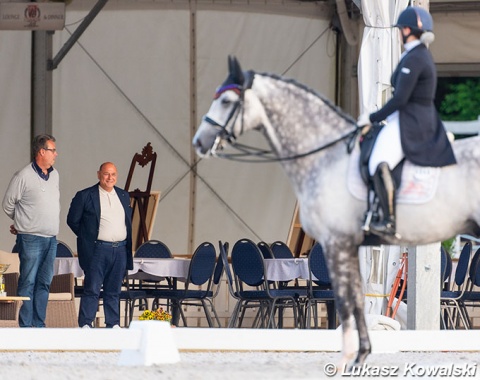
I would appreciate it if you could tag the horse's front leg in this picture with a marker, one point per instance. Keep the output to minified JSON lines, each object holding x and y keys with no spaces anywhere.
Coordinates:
{"x":339,"y":269}
{"x":364,"y":346}
{"x":345,"y":275}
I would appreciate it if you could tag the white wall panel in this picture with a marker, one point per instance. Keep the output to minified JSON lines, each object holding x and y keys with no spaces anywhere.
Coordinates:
{"x":15,"y":47}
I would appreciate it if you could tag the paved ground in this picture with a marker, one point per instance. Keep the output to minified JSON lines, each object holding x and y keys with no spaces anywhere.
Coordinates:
{"x":234,"y":366}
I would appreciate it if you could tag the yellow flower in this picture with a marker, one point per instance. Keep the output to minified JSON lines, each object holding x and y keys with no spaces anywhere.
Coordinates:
{"x":157,"y":315}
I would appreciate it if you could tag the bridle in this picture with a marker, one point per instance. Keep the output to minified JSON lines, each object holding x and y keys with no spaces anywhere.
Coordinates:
{"x":247,"y":153}
{"x":224,"y":134}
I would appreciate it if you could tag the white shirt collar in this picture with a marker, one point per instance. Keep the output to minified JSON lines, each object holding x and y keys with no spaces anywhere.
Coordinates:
{"x":103,"y":191}
{"x":410,"y":45}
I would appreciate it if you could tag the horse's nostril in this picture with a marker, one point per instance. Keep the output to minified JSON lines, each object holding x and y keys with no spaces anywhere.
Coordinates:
{"x":199,"y":147}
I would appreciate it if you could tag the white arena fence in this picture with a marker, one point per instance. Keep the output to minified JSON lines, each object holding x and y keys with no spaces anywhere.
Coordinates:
{"x":153,"y":342}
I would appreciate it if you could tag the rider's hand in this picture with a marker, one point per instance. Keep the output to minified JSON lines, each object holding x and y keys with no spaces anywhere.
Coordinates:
{"x":363,"y":120}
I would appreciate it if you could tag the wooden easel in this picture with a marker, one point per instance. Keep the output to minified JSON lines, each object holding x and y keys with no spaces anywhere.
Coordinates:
{"x":139,"y":199}
{"x":297,"y":240}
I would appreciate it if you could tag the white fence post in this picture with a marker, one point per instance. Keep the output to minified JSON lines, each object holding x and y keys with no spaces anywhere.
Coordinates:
{"x":157,"y":345}
{"x":423,"y":311}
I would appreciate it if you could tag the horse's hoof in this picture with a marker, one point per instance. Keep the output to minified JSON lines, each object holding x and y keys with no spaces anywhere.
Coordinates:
{"x":345,"y":363}
{"x":360,"y":360}
{"x":346,"y":369}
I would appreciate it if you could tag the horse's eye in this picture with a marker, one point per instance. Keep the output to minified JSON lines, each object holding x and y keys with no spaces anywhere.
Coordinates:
{"x":226,"y":101}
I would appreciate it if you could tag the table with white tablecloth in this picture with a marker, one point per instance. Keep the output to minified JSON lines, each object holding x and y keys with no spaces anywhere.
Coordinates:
{"x":152,"y":269}
{"x":157,"y":269}
{"x":286,"y":269}
{"x":64,"y":265}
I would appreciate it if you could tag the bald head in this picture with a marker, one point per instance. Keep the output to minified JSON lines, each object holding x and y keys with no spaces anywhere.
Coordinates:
{"x":107,"y":175}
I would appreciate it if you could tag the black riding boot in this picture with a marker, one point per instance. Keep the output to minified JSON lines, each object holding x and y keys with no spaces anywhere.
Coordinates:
{"x":384,"y":187}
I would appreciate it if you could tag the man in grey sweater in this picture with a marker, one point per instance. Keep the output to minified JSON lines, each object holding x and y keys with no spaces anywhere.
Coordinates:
{"x":32,"y":200}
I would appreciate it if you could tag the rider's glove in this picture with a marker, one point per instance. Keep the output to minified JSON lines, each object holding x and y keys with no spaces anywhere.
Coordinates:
{"x":363,"y":120}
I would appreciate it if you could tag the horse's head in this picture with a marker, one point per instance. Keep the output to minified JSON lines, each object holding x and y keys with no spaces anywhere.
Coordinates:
{"x":223,"y":121}
{"x":296,"y":120}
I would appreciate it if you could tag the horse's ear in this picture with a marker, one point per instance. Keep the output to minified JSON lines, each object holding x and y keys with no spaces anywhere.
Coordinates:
{"x":231,"y":58}
{"x":236,"y":73}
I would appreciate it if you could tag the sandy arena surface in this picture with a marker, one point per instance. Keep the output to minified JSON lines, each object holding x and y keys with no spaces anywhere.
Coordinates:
{"x":235,"y":365}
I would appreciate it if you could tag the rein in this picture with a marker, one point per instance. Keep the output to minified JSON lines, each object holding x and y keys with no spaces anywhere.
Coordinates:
{"x":264,"y":156}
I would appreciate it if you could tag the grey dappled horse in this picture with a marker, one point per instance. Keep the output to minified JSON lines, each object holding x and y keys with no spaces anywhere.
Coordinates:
{"x":310,"y":138}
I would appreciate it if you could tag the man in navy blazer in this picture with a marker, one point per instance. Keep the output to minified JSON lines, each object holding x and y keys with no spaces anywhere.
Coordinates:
{"x":100,"y":216}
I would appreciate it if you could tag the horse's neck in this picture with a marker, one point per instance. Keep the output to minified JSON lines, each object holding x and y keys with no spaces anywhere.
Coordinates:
{"x":299,"y":120}
{"x":300,"y":126}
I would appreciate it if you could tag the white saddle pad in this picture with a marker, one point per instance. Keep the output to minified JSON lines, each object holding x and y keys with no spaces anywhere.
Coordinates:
{"x":419,"y":183}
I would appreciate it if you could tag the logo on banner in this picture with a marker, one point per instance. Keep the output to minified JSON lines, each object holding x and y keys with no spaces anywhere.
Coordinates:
{"x":32,"y":15}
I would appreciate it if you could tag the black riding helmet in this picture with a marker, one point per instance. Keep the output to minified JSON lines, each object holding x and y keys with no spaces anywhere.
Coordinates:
{"x":419,"y":21}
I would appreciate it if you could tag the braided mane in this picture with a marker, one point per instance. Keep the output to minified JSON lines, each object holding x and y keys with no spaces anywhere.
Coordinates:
{"x":313,"y":92}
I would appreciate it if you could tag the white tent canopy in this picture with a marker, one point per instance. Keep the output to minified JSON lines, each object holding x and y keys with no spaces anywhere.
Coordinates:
{"x":146,"y":71}
{"x":379,"y":54}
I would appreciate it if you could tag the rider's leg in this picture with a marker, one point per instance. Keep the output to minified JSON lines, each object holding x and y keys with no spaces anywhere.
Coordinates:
{"x":387,"y":149}
{"x":388,"y":146}
{"x":384,"y":186}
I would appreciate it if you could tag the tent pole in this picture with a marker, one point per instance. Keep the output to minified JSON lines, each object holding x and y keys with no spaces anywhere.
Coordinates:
{"x":41,"y":82}
{"x":53,"y":63}
{"x":42,"y":67}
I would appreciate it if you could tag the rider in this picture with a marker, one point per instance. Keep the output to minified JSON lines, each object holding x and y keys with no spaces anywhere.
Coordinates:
{"x":413,"y":128}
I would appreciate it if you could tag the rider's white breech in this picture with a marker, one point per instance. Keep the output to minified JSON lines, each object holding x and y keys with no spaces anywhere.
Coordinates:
{"x":388,"y":147}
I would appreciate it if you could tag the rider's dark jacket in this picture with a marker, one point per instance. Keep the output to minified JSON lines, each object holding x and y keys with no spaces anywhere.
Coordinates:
{"x":424,"y":139}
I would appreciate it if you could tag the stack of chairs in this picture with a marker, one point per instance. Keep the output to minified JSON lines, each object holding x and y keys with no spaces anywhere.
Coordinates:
{"x":152,"y":249}
{"x":452,"y":301}
{"x":197,"y":285}
{"x":320,"y":288}
{"x":252,"y":287}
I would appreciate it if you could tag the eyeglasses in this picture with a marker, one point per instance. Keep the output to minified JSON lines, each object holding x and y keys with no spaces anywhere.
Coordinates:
{"x":53,"y":150}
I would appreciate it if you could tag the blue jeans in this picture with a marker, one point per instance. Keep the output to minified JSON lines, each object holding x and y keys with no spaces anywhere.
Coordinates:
{"x":37,"y":257}
{"x":106,"y":269}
